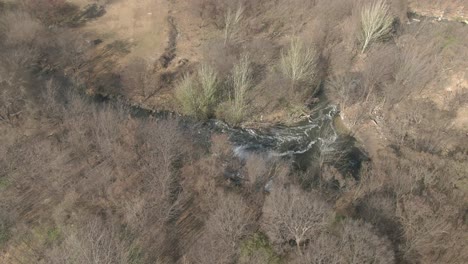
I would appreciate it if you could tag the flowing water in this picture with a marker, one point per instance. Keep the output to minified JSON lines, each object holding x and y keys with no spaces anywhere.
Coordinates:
{"x":309,"y":141}
{"x":304,"y":143}
{"x":283,"y":140}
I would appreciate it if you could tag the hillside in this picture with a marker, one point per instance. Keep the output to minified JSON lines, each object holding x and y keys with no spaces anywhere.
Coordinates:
{"x":222,"y":131}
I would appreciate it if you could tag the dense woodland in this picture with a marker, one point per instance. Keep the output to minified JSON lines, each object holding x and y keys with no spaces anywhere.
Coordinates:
{"x":83,"y":179}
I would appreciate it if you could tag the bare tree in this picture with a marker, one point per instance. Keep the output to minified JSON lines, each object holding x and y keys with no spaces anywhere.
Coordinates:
{"x":257,"y":172}
{"x":21,"y":40}
{"x":378,"y":70}
{"x":161,"y":147}
{"x":298,"y":62}
{"x":359,"y":244}
{"x":290,"y":214}
{"x":429,"y":231}
{"x":19,"y":28}
{"x":416,"y":67}
{"x":4,"y":225}
{"x":229,"y":222}
{"x":107,"y":130}
{"x":258,"y":257}
{"x":241,"y":80}
{"x":345,"y":88}
{"x":354,"y":243}
{"x":76,"y":119}
{"x":376,"y":23}
{"x":72,"y":53}
{"x":225,"y":228}
{"x":52,"y":105}
{"x":11,"y":104}
{"x":94,"y":243}
{"x":324,"y":248}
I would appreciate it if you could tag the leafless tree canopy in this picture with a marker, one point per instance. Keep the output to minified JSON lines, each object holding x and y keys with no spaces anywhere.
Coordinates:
{"x":224,"y":229}
{"x":109,"y":152}
{"x":355,"y":242}
{"x":93,"y":243}
{"x":292,"y":215}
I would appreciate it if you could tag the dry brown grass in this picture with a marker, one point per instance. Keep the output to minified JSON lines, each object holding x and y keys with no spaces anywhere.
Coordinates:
{"x":450,"y":9}
{"x":85,"y":180}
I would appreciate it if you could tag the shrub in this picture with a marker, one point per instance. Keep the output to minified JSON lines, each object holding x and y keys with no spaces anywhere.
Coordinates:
{"x":4,"y":231}
{"x":241,"y":83}
{"x":231,"y":22}
{"x":92,"y":243}
{"x":22,"y":42}
{"x":49,"y":11}
{"x":378,"y":70}
{"x":376,"y":23}
{"x":198,"y":96}
{"x":19,"y":28}
{"x":298,"y":62}
{"x":416,"y":67}
{"x":257,"y":249}
{"x":257,"y":172}
{"x":51,"y":96}
{"x":356,"y":243}
{"x":345,"y":89}
{"x":359,"y":244}
{"x":209,"y":84}
{"x":187,"y":95}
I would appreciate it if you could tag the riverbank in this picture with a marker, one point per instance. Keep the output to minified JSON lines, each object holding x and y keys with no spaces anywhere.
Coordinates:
{"x":98,"y":163}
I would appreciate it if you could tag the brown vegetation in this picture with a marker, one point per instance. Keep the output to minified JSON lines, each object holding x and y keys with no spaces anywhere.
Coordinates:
{"x":84,"y":178}
{"x":292,"y":216}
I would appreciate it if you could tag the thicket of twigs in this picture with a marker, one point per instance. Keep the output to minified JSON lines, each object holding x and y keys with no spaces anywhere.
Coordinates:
{"x":88,"y":182}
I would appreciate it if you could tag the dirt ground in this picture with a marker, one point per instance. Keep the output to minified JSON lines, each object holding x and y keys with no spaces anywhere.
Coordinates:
{"x":154,"y":26}
{"x":443,"y":9}
{"x":142,"y":23}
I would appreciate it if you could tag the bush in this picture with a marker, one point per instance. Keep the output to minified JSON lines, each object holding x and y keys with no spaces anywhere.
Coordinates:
{"x":198,"y":96}
{"x":231,"y":23}
{"x":19,"y":28}
{"x":209,"y":83}
{"x":4,"y":231}
{"x":378,"y":70}
{"x":376,"y":23}
{"x":92,"y":243}
{"x":187,"y":95}
{"x":241,"y":79}
{"x":416,"y":67}
{"x":355,"y":242}
{"x":298,"y":62}
{"x":49,"y":11}
{"x":257,"y":249}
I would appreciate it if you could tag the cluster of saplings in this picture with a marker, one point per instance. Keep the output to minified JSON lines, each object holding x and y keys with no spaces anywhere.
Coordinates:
{"x":205,"y":94}
{"x":201,"y":95}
